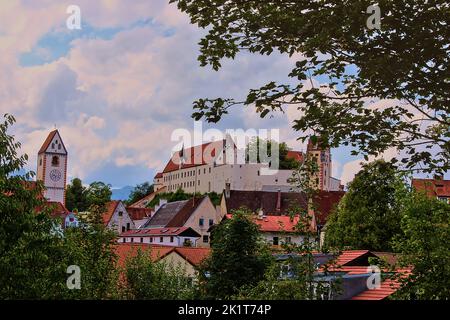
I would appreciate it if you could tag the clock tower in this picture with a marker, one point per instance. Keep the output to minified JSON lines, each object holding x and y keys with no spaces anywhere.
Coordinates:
{"x":52,"y":167}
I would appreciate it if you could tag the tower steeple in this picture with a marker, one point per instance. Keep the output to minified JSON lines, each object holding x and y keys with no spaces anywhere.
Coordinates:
{"x":52,"y":167}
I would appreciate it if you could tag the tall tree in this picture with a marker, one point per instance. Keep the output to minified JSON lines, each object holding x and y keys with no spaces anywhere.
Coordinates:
{"x":238,"y":257}
{"x":32,"y":256}
{"x":140,"y":191}
{"x":424,"y":248}
{"x":261,"y":151}
{"x":76,"y":196}
{"x":368,"y":216}
{"x":404,"y":64}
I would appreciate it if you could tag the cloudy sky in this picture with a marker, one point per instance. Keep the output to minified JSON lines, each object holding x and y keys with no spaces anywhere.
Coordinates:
{"x":118,"y":88}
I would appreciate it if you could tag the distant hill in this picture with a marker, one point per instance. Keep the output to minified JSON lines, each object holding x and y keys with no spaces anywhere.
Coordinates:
{"x":121,"y":193}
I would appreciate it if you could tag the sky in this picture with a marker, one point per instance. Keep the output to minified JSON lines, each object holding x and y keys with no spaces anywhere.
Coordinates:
{"x":118,"y":88}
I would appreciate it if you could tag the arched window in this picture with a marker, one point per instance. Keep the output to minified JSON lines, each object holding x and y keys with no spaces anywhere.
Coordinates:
{"x":55,"y":161}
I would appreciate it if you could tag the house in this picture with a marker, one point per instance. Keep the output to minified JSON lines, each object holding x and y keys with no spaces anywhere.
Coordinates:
{"x":277,"y":230}
{"x":434,"y":188}
{"x":212,"y":166}
{"x":174,"y":237}
{"x":281,"y":203}
{"x":116,"y":217}
{"x":197,"y":213}
{"x":187,"y":258}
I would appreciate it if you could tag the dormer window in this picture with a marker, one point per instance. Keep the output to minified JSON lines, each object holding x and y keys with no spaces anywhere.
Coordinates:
{"x":55,"y":161}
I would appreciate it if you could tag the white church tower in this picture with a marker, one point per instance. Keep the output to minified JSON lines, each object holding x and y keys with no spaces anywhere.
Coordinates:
{"x":52,"y":167}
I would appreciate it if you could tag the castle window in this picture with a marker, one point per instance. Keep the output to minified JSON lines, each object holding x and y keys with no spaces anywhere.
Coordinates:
{"x":40,"y":161}
{"x":55,"y":161}
{"x":59,"y":147}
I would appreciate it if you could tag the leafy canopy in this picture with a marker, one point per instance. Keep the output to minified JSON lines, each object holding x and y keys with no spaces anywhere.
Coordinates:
{"x":404,"y":65}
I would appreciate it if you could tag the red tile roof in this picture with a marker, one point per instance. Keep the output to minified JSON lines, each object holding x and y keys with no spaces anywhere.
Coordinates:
{"x":193,"y":255}
{"x":275,"y":223}
{"x":47,"y":141}
{"x":158,"y":175}
{"x":432,"y":187}
{"x":387,"y":288}
{"x":198,"y":155}
{"x":349,"y":256}
{"x":110,"y":207}
{"x":297,"y":155}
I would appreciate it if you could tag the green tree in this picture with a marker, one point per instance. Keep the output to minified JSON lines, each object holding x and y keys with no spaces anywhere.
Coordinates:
{"x":369,"y":214}
{"x":147,"y":280}
{"x":76,"y":197}
{"x":91,"y":247}
{"x":257,"y":148}
{"x":98,"y":193}
{"x":238,"y":257}
{"x":140,"y":191}
{"x":424,"y":248}
{"x":32,"y":256}
{"x":406,"y":61}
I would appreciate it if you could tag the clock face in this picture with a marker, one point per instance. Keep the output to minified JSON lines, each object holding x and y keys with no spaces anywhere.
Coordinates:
{"x":55,"y":175}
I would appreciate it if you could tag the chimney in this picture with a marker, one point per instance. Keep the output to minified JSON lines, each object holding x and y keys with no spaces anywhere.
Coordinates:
{"x":162,"y":202}
{"x":278,"y":201}
{"x":227,"y":190}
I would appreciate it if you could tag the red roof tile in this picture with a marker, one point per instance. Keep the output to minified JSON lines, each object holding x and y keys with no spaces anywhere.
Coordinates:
{"x":138,"y":213}
{"x":297,"y":155}
{"x":155,"y":232}
{"x":47,"y":141}
{"x":109,"y":210}
{"x":387,"y":288}
{"x":432,"y":187}
{"x":158,"y":175}
{"x":198,"y":155}
{"x":193,"y":255}
{"x":348,"y":256}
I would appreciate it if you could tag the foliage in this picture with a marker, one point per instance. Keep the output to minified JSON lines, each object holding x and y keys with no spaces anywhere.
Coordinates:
{"x":76,"y":196}
{"x":180,"y":195}
{"x":257,"y":148}
{"x":424,"y":245}
{"x":98,"y":193}
{"x":238,"y":257}
{"x":30,"y":255}
{"x":369,"y":214}
{"x":146,"y":279}
{"x":139,"y":192}
{"x":403,"y":65}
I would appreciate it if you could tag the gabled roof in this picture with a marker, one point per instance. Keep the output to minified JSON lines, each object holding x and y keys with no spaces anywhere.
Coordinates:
{"x":193,"y":255}
{"x":138,"y":213}
{"x":275,"y":223}
{"x":49,"y":140}
{"x":351,"y":257}
{"x":173,"y":214}
{"x":110,"y":207}
{"x":387,"y":287}
{"x":196,"y":154}
{"x":158,"y":175}
{"x":324,"y":201}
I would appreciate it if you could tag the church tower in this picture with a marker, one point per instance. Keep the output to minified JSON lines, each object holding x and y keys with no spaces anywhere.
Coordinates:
{"x":52,"y":167}
{"x":323,"y":159}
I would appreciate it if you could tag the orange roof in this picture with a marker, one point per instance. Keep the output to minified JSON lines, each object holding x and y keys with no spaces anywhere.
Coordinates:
{"x":297,"y":155}
{"x":196,"y":154}
{"x":138,"y":213}
{"x":110,"y":208}
{"x":350,"y":255}
{"x":193,"y":255}
{"x":47,"y":141}
{"x":125,"y":250}
{"x":275,"y":223}
{"x":386,"y":288}
{"x":432,"y":187}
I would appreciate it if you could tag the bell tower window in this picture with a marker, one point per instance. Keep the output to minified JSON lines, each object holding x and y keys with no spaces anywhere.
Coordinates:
{"x":55,"y":161}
